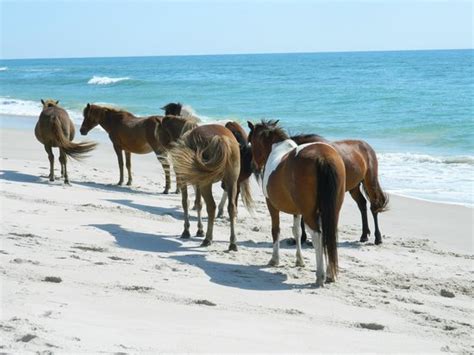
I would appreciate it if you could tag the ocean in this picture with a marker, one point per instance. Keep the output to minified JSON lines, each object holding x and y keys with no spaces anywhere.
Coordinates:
{"x":414,"y":107}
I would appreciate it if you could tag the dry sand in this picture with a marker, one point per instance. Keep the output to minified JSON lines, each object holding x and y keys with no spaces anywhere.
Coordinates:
{"x":128,"y":284}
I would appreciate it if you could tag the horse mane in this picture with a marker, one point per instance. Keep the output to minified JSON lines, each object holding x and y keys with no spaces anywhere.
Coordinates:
{"x":271,"y":127}
{"x":308,"y":138}
{"x":116,"y":112}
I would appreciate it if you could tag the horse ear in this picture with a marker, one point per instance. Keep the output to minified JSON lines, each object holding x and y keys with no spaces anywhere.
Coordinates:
{"x":57,"y":102}
{"x":88,"y":105}
{"x":276,"y":122}
{"x":42,"y":101}
{"x":251,"y":126}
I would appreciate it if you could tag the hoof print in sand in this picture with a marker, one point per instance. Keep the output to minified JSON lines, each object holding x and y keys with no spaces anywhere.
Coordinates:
{"x":137,"y":288}
{"x":27,"y":338}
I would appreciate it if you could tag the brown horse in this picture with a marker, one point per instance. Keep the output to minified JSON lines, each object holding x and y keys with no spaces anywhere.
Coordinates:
{"x":361,"y":166}
{"x":245,"y":163}
{"x":128,"y":133}
{"x":203,"y":156}
{"x":55,"y":129}
{"x":307,"y":181}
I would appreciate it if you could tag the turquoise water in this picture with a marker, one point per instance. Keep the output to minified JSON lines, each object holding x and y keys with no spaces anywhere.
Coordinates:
{"x":414,"y":107}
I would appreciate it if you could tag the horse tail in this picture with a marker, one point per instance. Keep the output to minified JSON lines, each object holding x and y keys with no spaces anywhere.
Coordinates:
{"x":377,"y":197}
{"x":327,"y":190}
{"x":246,"y":193}
{"x":74,"y":150}
{"x":195,"y":165}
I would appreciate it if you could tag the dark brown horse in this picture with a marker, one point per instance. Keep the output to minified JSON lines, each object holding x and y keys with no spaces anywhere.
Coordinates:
{"x":55,"y":129}
{"x":128,"y":133}
{"x":361,"y":166}
{"x":177,"y":109}
{"x":245,"y":162}
{"x":307,"y":181}
{"x":203,"y":156}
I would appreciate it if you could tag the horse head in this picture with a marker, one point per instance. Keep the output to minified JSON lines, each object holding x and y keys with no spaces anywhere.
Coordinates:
{"x":261,"y":138}
{"x":49,"y":103}
{"x":90,"y":119}
{"x":172,"y":109}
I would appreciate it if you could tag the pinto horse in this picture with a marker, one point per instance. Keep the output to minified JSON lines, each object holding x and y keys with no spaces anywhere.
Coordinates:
{"x":307,"y":181}
{"x":245,"y":162}
{"x":55,"y":129}
{"x":128,"y":133}
{"x":203,"y":156}
{"x":361,"y":166}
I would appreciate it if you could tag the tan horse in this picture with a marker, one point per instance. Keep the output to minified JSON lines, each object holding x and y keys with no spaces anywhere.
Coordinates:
{"x":206,"y":155}
{"x":128,"y":133}
{"x":55,"y":129}
{"x":361,"y":166}
{"x":307,"y":181}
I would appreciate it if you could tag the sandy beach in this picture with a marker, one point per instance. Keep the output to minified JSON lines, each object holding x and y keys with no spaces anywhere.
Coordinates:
{"x":128,"y":284}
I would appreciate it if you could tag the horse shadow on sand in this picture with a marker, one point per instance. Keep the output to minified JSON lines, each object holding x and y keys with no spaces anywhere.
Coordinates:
{"x":174,"y":212}
{"x":249,"y":277}
{"x":114,"y":188}
{"x":15,"y":176}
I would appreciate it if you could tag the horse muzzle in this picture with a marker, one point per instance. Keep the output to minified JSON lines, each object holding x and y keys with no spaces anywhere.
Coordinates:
{"x":83,"y":131}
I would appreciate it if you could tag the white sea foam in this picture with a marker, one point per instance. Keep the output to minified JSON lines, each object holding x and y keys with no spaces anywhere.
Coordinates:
{"x":105,"y":80}
{"x":15,"y":107}
{"x":435,"y":178}
{"x":3,"y":68}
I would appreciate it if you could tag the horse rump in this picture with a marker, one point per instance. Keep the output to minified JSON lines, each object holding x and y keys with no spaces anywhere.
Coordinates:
{"x":74,"y":150}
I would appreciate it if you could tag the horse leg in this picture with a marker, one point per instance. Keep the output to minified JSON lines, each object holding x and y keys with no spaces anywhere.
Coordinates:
{"x":304,"y":237}
{"x":317,"y":238}
{"x":362,"y":204}
{"x":378,"y":235}
{"x":128,"y":164}
{"x":206,"y":192}
{"x":63,"y":161}
{"x":296,"y":235}
{"x":198,"y":203}
{"x":49,"y":151}
{"x":60,"y":163}
{"x":220,"y":212}
{"x":232,"y":210}
{"x":196,"y":197}
{"x":118,"y":151}
{"x":275,"y":216}
{"x":184,"y":202}
{"x":166,"y":168}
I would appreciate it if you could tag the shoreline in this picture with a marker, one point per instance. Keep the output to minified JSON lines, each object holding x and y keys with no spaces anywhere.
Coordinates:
{"x":99,"y":135}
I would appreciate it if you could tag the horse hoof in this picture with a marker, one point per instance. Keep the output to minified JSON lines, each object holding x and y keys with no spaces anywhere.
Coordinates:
{"x":185,"y":235}
{"x":67,"y":183}
{"x":220,"y":214}
{"x":291,"y":241}
{"x":206,"y":243}
{"x":194,"y":208}
{"x":300,"y":263}
{"x":166,"y":191}
{"x":364,"y":239}
{"x":129,"y":183}
{"x":119,"y":183}
{"x":200,"y":234}
{"x":378,"y":241}
{"x":320,"y":281}
{"x":309,"y":243}
{"x":273,"y":262}
{"x":329,"y":280}
{"x":232,"y":247}
{"x":177,"y":191}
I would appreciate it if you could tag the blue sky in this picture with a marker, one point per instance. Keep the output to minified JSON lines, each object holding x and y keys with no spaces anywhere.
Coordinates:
{"x":48,"y":29}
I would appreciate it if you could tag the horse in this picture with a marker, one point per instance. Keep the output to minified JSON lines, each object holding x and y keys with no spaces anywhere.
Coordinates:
{"x":361,"y":164}
{"x":128,"y":133}
{"x":178,"y":109}
{"x":306,"y":181}
{"x":55,"y":129}
{"x":245,"y":162}
{"x":203,"y":156}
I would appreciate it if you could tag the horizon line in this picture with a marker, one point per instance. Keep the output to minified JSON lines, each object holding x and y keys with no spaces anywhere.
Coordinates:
{"x":248,"y":53}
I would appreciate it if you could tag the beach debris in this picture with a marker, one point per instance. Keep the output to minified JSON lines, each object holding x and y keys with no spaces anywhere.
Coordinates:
{"x":53,"y":279}
{"x":205,"y":303}
{"x":137,"y":288}
{"x":89,"y":248}
{"x":371,"y":326}
{"x":446,"y":293}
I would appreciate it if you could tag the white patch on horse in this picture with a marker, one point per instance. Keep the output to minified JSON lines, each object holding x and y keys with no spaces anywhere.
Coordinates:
{"x":303,"y":146}
{"x":279,"y":150}
{"x":317,"y":239}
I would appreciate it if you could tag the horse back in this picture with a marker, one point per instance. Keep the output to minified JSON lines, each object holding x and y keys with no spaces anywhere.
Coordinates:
{"x":49,"y":117}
